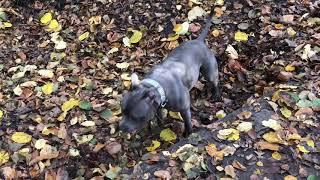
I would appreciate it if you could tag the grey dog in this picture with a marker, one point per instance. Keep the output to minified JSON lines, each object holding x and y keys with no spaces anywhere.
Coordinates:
{"x":168,"y":84}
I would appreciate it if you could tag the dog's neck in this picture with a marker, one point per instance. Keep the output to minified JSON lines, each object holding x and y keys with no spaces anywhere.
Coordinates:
{"x":159,"y":88}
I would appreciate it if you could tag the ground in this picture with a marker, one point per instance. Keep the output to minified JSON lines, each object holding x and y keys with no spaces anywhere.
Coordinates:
{"x":64,"y":70}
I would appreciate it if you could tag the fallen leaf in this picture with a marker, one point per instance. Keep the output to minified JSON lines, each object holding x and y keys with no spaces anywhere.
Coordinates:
{"x":215,"y":33}
{"x":276,"y":156}
{"x":68,"y":105}
{"x":213,"y":152}
{"x":232,"y":53}
{"x":230,"y":134}
{"x":88,"y":123}
{"x":290,"y":68}
{"x":154,"y":146}
{"x":241,"y":36}
{"x":302,"y":149}
{"x":47,"y":88}
{"x":126,"y":41}
{"x":175,"y":115}
{"x":220,"y":114}
{"x":46,"y":73}
{"x":17,"y":90}
{"x":310,"y":143}
{"x":136,"y":37}
{"x":113,"y":148}
{"x":83,"y":36}
{"x":86,"y":105}
{"x":113,"y":172}
{"x":259,"y":163}
{"x":307,"y":52}
{"x":273,"y":124}
{"x":1,"y":115}
{"x":219,"y":2}
{"x":46,"y":18}
{"x":83,"y":139}
{"x":244,"y":126}
{"x":229,"y":170}
{"x":163,"y":174}
{"x":263,"y":145}
{"x":4,"y":157}
{"x":244,"y":115}
{"x":74,"y":152}
{"x":279,"y":26}
{"x":272,"y":137}
{"x":285,"y":112}
{"x":21,"y":137}
{"x":95,"y":20}
{"x":291,"y":32}
{"x":53,"y":26}
{"x":40,"y":143}
{"x":29,"y":84}
{"x":8,"y":172}
{"x":62,"y":132}
{"x":168,"y":135}
{"x":288,"y":18}
{"x":123,"y":65}
{"x":181,"y":29}
{"x":290,"y":177}
{"x":236,"y":164}
{"x":195,"y":12}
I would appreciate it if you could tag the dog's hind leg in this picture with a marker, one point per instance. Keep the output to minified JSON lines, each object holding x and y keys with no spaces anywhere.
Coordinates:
{"x":210,"y":72}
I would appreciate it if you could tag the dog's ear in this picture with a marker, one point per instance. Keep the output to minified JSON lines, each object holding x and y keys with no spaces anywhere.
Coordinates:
{"x":134,"y":80}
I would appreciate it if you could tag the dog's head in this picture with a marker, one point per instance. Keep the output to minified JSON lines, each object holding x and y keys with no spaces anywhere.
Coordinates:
{"x":138,"y":106}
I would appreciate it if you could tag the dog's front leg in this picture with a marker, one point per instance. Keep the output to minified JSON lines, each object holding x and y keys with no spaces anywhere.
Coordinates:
{"x":159,"y":118}
{"x":186,"y":115}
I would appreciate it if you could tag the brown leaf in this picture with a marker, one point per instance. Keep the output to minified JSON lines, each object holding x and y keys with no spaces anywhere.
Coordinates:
{"x":194,"y":27}
{"x":98,"y":147}
{"x":284,"y":76}
{"x":62,"y":174}
{"x":244,"y":115}
{"x":62,"y":133}
{"x":230,"y":171}
{"x":50,"y":175}
{"x":288,"y":18}
{"x":163,"y":174}
{"x":262,"y":145}
{"x":213,"y":152}
{"x":236,"y":164}
{"x":113,"y":148}
{"x":113,"y":36}
{"x":43,"y":157}
{"x":22,"y":55}
{"x":9,"y":173}
{"x":304,"y":111}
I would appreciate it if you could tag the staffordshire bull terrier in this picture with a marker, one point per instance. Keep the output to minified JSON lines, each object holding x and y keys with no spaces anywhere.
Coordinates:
{"x":168,"y":84}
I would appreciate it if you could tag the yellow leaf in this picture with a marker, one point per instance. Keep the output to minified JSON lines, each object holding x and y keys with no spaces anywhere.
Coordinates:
{"x":68,"y":105}
{"x":40,"y":143}
{"x":136,"y":37}
{"x":273,"y":124}
{"x":62,"y":116}
{"x":154,"y":146}
{"x":285,"y":112}
{"x":245,"y":126}
{"x":21,"y":137}
{"x":47,"y":88}
{"x":95,"y":20}
{"x":241,"y":36}
{"x":1,"y":114}
{"x":294,"y":137}
{"x":302,"y":149}
{"x":259,"y":163}
{"x":175,"y":115}
{"x":275,"y":96}
{"x":54,"y":26}
{"x":220,"y":114}
{"x":310,"y":143}
{"x":279,"y":26}
{"x":215,"y":33}
{"x":168,"y":135}
{"x":219,"y":2}
{"x":276,"y":156}
{"x":290,"y":177}
{"x":46,"y":18}
{"x":272,"y":137}
{"x":173,"y":38}
{"x":291,"y":32}
{"x":83,"y":36}
{"x":4,"y":157}
{"x":230,"y":134}
{"x":181,"y":29}
{"x":289,"y":68}
{"x":7,"y":24}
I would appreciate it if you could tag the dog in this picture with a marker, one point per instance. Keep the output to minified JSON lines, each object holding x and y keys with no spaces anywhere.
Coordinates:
{"x":168,"y":84}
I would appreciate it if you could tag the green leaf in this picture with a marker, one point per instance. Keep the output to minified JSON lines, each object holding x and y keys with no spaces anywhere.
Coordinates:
{"x":113,"y":172}
{"x":316,"y":102}
{"x":86,"y":105}
{"x":313,"y":177}
{"x":295,"y":96}
{"x":304,"y":103}
{"x":106,"y":114}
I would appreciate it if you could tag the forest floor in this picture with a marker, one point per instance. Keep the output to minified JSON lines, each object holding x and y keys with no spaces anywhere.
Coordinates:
{"x":64,"y":71}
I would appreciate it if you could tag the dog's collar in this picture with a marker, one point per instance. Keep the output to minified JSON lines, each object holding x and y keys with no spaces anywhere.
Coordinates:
{"x":159,"y":88}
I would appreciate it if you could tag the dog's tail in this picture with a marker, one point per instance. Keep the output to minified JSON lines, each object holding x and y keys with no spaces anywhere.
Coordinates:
{"x":206,"y":29}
